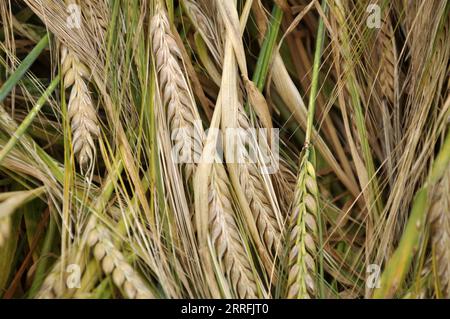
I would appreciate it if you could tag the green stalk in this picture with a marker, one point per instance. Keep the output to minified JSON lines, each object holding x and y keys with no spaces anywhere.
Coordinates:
{"x":265,"y":56}
{"x":28,"y":119}
{"x":398,"y":265}
{"x":23,"y":68}
{"x":309,"y":127}
{"x":315,"y":77}
{"x":43,"y":261}
{"x":170,"y":11}
{"x":441,"y":162}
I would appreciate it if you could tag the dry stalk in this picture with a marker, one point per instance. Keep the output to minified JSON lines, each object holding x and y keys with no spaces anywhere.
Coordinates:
{"x":97,"y":13}
{"x":5,"y":229}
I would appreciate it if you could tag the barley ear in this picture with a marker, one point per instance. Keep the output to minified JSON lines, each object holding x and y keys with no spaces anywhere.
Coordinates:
{"x":113,"y":263}
{"x":388,"y":60}
{"x":262,"y":210}
{"x":53,"y":286}
{"x":302,"y":234}
{"x":180,"y":110}
{"x":227,"y":241}
{"x":258,"y":197}
{"x":81,"y":111}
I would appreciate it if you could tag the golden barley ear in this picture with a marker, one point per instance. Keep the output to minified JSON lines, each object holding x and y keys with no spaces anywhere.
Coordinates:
{"x":257,"y":196}
{"x":261,"y":207}
{"x":181,"y":113}
{"x":81,"y":111}
{"x":302,"y":234}
{"x":388,"y":60}
{"x":53,"y":286}
{"x":285,"y":182}
{"x":113,"y":263}
{"x":224,"y":232}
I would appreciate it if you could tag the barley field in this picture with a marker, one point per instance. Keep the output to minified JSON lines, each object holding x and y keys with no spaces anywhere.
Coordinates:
{"x":168,"y":149}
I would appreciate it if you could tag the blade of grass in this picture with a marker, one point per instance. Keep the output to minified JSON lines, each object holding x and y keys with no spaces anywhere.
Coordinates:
{"x":28,"y":119}
{"x":23,"y":68}
{"x":43,"y":263}
{"x":265,"y":56}
{"x":309,"y":127}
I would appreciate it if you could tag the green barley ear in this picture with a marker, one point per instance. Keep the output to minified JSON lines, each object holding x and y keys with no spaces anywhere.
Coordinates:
{"x":304,"y":219}
{"x":303,"y":232}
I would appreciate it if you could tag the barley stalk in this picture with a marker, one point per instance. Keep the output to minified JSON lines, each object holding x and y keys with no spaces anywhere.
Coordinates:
{"x":253,"y":184}
{"x":440,"y":232}
{"x":105,"y":251}
{"x":366,"y":171}
{"x":125,"y":211}
{"x":81,"y":111}
{"x":226,"y":238}
{"x":5,"y":229}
